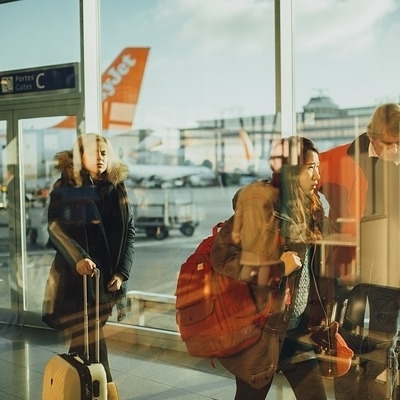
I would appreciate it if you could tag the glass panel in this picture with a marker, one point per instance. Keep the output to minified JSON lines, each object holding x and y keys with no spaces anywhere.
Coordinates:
{"x":5,"y":298}
{"x":40,"y":142}
{"x":50,"y":26}
{"x":12,"y":226}
{"x":209,"y":62}
{"x":337,"y":92}
{"x":339,"y":110}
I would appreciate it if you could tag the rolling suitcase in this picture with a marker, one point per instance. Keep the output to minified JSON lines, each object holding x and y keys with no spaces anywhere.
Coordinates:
{"x":74,"y":376}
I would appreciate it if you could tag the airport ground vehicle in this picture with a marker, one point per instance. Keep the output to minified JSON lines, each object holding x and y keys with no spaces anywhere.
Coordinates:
{"x":157,"y":211}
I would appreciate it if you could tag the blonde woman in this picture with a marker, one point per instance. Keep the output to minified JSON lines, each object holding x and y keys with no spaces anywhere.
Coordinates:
{"x":90,"y":224}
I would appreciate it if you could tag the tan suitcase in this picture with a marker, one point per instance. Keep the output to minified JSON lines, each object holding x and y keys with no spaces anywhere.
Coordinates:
{"x":73,"y":376}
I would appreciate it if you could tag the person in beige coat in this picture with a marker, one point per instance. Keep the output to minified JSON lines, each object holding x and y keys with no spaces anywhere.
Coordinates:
{"x":268,"y":242}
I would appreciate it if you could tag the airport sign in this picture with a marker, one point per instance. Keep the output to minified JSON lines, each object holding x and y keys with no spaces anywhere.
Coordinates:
{"x":39,"y":80}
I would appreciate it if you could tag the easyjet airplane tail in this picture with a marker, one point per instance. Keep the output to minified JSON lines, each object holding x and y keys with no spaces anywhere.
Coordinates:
{"x":120,"y":85}
{"x":248,"y":147}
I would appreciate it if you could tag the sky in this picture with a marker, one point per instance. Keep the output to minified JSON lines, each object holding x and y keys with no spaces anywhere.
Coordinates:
{"x":213,"y":59}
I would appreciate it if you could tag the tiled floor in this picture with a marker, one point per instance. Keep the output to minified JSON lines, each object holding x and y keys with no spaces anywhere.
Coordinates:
{"x":140,"y":372}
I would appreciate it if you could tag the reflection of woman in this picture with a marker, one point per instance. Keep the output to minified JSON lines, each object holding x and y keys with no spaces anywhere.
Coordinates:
{"x":264,"y":243}
{"x":91,"y":226}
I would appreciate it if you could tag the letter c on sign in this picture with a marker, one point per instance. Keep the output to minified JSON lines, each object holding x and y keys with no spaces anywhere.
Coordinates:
{"x":38,"y":85}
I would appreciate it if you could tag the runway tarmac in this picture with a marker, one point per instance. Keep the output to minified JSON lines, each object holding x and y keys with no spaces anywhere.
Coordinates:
{"x":157,"y":262}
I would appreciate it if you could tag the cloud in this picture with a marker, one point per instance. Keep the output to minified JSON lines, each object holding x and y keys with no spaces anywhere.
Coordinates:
{"x":339,"y":24}
{"x":210,"y":56}
{"x":216,"y":27}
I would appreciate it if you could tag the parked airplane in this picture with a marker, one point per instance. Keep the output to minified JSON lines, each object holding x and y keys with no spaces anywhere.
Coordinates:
{"x":120,"y":89}
{"x":171,"y":175}
{"x":121,"y":84}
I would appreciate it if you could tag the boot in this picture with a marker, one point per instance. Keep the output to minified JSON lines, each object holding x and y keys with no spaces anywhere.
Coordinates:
{"x":112,"y":391}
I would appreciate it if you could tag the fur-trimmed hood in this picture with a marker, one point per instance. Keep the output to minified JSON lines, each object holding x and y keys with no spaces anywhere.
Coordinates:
{"x":64,"y":163}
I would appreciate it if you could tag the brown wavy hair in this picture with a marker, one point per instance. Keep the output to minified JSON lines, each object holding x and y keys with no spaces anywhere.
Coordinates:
{"x":305,"y":210}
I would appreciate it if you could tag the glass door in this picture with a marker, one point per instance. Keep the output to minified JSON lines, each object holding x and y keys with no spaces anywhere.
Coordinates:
{"x":8,"y":278}
{"x":29,"y":140}
{"x":41,"y":139}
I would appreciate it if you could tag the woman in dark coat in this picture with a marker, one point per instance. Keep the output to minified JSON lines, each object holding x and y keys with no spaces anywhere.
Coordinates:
{"x":90,"y":224}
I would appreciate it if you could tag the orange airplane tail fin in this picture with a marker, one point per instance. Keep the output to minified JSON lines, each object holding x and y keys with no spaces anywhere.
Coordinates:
{"x":247,"y":145}
{"x":120,"y":86}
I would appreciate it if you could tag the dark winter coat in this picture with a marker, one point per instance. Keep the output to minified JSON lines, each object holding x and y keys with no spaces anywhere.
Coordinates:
{"x":90,"y":219}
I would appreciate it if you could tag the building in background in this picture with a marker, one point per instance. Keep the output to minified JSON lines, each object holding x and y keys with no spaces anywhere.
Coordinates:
{"x":239,"y":147}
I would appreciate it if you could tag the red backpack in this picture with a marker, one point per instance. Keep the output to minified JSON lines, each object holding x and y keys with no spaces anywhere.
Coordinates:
{"x":216,"y":315}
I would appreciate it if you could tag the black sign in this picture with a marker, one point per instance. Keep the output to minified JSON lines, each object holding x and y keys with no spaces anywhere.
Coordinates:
{"x":36,"y":80}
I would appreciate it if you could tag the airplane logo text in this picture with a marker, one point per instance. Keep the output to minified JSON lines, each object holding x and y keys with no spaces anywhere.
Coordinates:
{"x":116,"y":74}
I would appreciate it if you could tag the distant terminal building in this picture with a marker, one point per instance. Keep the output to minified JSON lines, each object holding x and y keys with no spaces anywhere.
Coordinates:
{"x":243,"y":144}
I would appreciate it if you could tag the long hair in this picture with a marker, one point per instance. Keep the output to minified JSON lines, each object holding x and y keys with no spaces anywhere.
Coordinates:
{"x":306,"y":211}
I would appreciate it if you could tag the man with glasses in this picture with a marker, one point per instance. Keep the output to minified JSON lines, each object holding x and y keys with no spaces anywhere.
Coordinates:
{"x":360,"y":181}
{"x":361,"y":178}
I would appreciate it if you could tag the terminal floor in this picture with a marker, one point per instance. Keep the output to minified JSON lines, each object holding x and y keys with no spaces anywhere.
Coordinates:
{"x":140,"y":372}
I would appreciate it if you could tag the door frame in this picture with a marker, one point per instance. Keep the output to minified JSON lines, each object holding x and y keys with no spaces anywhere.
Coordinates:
{"x":12,"y":111}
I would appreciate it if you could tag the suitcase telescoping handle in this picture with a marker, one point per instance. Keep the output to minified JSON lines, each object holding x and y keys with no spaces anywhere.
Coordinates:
{"x":96,"y":273}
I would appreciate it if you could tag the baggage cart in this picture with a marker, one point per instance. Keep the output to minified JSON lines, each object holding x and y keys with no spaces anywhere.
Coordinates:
{"x":158,"y":211}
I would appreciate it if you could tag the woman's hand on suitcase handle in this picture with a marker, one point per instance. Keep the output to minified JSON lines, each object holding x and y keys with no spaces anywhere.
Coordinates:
{"x":291,"y":260}
{"x":85,"y":267}
{"x":115,"y":283}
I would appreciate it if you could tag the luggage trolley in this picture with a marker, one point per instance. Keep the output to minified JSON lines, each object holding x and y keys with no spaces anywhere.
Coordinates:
{"x":157,"y":211}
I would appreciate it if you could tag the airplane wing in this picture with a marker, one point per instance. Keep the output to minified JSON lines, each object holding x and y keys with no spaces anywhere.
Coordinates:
{"x":196,"y":175}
